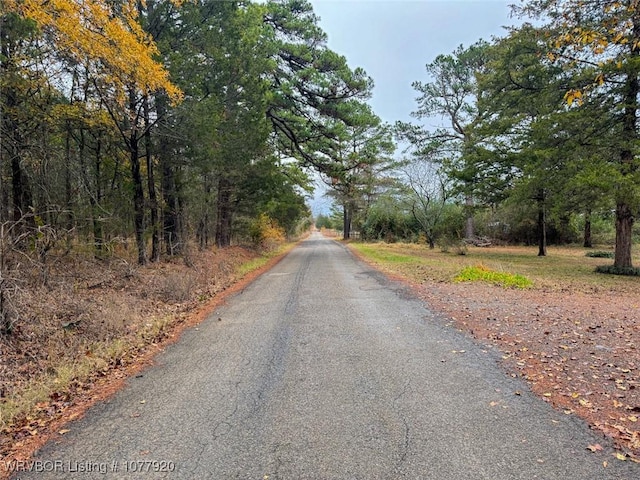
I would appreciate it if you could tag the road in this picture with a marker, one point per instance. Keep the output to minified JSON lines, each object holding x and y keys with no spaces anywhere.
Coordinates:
{"x":324,"y":369}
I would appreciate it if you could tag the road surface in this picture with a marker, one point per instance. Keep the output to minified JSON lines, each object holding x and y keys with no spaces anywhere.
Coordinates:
{"x":323,"y":369}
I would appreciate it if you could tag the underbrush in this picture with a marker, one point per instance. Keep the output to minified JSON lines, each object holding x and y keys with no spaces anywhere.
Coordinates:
{"x":599,"y":254}
{"x":92,"y":316}
{"x":623,"y":271}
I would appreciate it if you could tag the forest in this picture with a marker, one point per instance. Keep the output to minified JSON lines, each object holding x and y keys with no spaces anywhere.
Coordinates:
{"x":162,"y":124}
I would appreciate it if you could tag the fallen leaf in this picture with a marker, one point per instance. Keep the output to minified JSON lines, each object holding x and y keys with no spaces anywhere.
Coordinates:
{"x":595,"y":448}
{"x":620,"y":456}
{"x":63,"y":431}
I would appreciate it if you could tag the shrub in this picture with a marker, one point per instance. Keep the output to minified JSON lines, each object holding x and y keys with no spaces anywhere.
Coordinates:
{"x":266,"y":233}
{"x":447,"y":244}
{"x":484,"y":274}
{"x":599,"y":254}
{"x":613,"y":270}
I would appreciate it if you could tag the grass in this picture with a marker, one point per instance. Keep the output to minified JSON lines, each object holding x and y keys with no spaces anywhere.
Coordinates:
{"x":374,"y":253}
{"x":262,"y":260}
{"x":564,"y":268}
{"x":483,"y":274}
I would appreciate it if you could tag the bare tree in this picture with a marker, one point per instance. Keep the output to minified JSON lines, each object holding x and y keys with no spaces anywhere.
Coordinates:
{"x":429,"y":191}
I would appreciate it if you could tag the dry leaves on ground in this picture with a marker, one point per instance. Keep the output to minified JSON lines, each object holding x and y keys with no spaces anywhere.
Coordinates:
{"x":578,"y":351}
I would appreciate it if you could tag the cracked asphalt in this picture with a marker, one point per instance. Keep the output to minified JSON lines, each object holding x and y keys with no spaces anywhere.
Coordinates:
{"x":324,"y":369}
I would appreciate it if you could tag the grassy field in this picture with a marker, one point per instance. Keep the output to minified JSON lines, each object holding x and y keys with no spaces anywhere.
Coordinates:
{"x":564,"y":268}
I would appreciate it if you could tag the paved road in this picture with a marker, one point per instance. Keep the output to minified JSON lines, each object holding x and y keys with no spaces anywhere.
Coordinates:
{"x":323,"y":369}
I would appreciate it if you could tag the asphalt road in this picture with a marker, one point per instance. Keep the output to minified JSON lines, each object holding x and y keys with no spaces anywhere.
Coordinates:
{"x":324,"y":369}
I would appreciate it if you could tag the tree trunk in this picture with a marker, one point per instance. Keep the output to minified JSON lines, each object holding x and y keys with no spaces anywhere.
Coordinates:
{"x":22,"y":199}
{"x":95,"y":200}
{"x":588,"y":243}
{"x":67,"y":186}
{"x":224,"y":213}
{"x":542,"y":225}
{"x":624,"y":215}
{"x":21,"y":190}
{"x":624,"y":229}
{"x":136,"y":176}
{"x":203,"y":225}
{"x":346,"y":221}
{"x":469,"y":228}
{"x":168,"y":185}
{"x":151,"y":185}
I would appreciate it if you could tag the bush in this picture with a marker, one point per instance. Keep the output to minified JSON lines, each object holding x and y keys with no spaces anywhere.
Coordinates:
{"x":447,"y":243}
{"x":599,"y":254}
{"x":266,"y":233}
{"x":386,"y":220}
{"x":613,"y":270}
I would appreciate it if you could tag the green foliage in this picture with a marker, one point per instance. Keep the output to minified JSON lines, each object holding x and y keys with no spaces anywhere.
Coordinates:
{"x":387,"y":220}
{"x":484,"y":274}
{"x":324,"y":221}
{"x":600,"y":254}
{"x":613,"y":270}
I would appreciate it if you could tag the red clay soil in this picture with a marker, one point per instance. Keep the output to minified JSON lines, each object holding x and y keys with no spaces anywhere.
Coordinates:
{"x":578,"y":351}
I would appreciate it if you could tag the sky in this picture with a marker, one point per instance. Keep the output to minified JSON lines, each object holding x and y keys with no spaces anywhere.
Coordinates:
{"x":393,"y":40}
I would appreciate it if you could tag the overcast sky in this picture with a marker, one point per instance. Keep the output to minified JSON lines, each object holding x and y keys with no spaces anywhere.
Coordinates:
{"x":393,"y":40}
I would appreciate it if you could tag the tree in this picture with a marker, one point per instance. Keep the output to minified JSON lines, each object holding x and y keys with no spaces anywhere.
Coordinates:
{"x":428,"y":193}
{"x":78,"y":29}
{"x":310,"y":85}
{"x":537,"y":143}
{"x":359,"y":154}
{"x":451,"y":94}
{"x":604,"y":37}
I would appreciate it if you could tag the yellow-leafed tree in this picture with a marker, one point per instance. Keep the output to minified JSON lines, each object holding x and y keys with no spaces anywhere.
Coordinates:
{"x":104,"y":34}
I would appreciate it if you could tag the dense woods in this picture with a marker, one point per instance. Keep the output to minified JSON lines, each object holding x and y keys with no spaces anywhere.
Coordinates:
{"x":167,"y":122}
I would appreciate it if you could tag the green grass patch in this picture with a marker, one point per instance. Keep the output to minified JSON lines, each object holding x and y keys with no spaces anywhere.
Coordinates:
{"x":565,"y":269}
{"x":252,"y":265}
{"x":484,"y":274}
{"x":263,"y":259}
{"x":383,"y":255}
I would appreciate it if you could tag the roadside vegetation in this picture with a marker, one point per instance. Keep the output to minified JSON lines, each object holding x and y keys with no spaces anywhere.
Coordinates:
{"x":84,"y":335}
{"x":565,"y":268}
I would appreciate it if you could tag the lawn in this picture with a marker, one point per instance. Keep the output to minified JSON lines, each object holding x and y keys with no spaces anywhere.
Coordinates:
{"x":564,"y":268}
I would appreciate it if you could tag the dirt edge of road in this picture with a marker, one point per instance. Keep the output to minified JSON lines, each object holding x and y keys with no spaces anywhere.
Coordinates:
{"x":109,"y":383}
{"x":577,"y":352}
